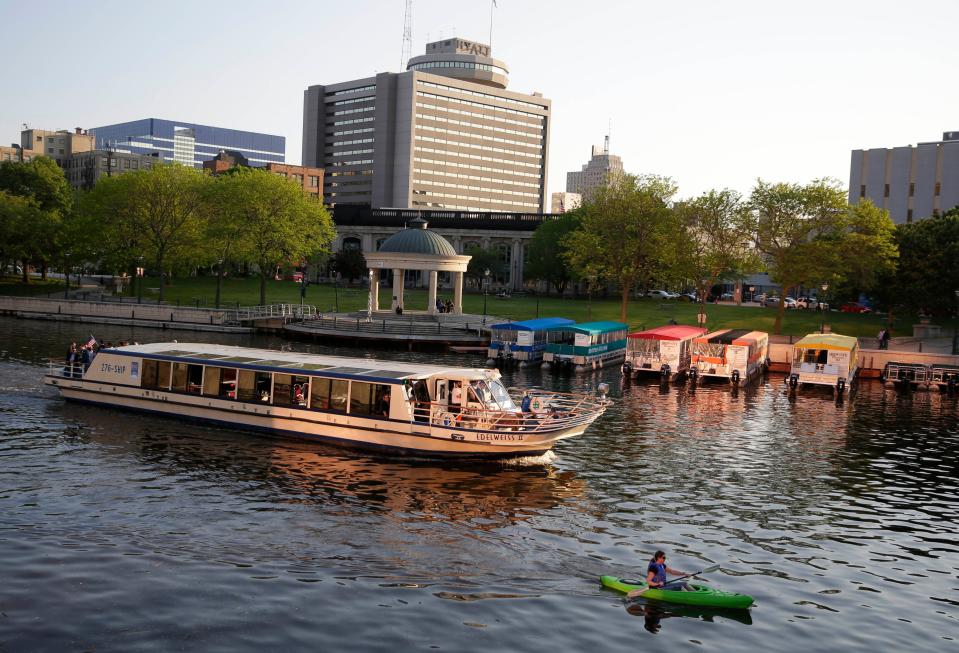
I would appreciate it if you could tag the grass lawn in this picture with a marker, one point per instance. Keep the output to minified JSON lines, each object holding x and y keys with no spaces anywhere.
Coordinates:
{"x":643,"y":313}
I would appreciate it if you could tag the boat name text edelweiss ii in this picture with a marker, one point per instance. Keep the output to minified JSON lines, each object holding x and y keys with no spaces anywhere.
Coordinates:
{"x":427,"y":410}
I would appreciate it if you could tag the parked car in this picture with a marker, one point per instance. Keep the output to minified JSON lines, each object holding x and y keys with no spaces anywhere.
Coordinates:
{"x":772,"y":301}
{"x":790,"y":302}
{"x":660,"y":294}
{"x":727,"y":297}
{"x":688,"y":297}
{"x":854,"y":307}
{"x":760,"y":298}
{"x":807,"y":302}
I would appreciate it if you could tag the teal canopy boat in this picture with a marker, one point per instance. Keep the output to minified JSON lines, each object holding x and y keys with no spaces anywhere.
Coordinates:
{"x":702,"y":595}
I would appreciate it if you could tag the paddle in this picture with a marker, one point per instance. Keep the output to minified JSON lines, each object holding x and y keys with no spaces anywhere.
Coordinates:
{"x":635,"y":593}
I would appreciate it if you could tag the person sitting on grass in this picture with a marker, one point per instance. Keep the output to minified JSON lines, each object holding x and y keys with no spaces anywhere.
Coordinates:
{"x":656,"y":576}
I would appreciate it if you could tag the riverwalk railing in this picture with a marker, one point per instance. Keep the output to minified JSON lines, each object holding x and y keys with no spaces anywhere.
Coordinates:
{"x":394,"y":326}
{"x":272,"y":311}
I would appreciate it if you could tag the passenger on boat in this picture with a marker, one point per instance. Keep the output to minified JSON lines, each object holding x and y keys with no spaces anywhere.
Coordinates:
{"x":298,"y":398}
{"x":656,"y":576}
{"x":456,"y":397}
{"x":383,"y":402}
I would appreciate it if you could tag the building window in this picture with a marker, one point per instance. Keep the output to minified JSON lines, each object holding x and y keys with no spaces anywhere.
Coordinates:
{"x":862,"y":190}
{"x":912,"y":189}
{"x":909,"y":215}
{"x":938,"y":188}
{"x":314,"y":181}
{"x":126,"y":164}
{"x":136,"y":164}
{"x":885,"y":191}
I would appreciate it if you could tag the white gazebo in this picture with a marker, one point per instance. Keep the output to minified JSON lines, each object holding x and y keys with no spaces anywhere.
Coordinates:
{"x":416,"y":248}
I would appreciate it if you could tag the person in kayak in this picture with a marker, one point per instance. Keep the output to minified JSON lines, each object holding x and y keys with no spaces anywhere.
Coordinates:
{"x":656,"y":576}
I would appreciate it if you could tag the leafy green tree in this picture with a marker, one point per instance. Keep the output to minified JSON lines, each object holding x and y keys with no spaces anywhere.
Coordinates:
{"x":223,"y":229}
{"x":280,"y":223}
{"x":43,"y":183}
{"x":546,"y":252}
{"x":482,"y":260}
{"x":625,"y":234}
{"x":799,"y":232}
{"x":350,"y":263}
{"x":715,"y":239}
{"x":156,"y":212}
{"x":928,"y":276}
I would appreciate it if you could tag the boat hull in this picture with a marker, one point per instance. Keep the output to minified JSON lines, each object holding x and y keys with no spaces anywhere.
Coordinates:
{"x":382,"y":435}
{"x":701,"y":595}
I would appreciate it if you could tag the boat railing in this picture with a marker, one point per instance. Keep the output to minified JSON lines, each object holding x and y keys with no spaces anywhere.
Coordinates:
{"x":65,"y":370}
{"x":556,"y":411}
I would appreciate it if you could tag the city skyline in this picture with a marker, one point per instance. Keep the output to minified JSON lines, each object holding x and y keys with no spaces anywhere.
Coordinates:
{"x":710,"y":96}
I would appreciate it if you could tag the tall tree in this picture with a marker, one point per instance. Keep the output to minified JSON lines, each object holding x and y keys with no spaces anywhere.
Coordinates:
{"x":716,"y":239}
{"x":928,"y":277}
{"x":350,"y":263}
{"x":281,"y":224}
{"x":482,"y":260}
{"x":157,"y":212}
{"x":546,"y":260}
{"x":42,"y":182}
{"x":799,"y":233}
{"x":625,"y":233}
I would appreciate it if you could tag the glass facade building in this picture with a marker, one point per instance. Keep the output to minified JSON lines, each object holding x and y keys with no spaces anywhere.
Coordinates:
{"x":189,"y":143}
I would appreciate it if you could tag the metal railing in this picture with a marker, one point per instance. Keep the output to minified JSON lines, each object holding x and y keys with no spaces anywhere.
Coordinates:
{"x":270,"y":311}
{"x":394,"y":326}
{"x":64,"y":369}
{"x":557,"y":411}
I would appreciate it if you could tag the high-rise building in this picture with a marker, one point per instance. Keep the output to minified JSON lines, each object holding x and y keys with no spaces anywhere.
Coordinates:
{"x":188,"y":143}
{"x":595,"y":173}
{"x":445,"y":134}
{"x":911,"y":183}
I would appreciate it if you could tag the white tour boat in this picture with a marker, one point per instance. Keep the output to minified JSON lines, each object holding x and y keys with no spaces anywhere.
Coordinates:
{"x":428,"y":410}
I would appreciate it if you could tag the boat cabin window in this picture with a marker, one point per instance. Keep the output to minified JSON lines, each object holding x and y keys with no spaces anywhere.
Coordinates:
{"x":329,"y":394}
{"x":211,"y":381}
{"x":155,"y":374}
{"x":500,"y":396}
{"x":246,"y":385}
{"x":369,"y":398}
{"x":561,"y":337}
{"x":227,"y":388}
{"x":290,"y":390}
{"x":817,"y":356}
{"x":187,"y":378}
{"x":263,"y":383}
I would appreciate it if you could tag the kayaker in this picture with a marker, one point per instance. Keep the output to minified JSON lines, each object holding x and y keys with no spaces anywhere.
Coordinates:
{"x":656,"y":576}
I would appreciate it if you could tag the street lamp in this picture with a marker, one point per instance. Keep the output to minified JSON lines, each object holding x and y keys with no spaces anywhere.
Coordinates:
{"x":140,"y":280}
{"x":219,"y":281}
{"x":485,"y":291}
{"x":369,"y":300}
{"x":752,"y":293}
{"x":955,"y":329}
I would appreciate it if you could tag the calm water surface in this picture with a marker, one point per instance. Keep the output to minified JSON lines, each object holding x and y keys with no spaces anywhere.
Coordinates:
{"x":120,"y":532}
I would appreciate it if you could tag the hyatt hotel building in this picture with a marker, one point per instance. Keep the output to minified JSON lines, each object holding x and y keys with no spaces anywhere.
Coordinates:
{"x":445,"y":134}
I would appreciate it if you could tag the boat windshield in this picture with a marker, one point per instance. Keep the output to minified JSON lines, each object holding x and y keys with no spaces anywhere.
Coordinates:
{"x":501,"y":397}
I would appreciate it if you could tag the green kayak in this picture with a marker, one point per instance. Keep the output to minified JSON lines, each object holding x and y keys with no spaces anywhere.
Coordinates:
{"x":698,"y":595}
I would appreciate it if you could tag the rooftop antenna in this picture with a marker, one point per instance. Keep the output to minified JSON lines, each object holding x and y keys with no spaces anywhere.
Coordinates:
{"x":609,"y":128}
{"x":407,"y":35}
{"x":492,"y":5}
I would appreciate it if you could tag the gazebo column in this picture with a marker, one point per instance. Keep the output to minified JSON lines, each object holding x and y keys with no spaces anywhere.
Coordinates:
{"x":397,"y":288}
{"x":432,"y":294}
{"x":458,"y":293}
{"x":375,"y":289}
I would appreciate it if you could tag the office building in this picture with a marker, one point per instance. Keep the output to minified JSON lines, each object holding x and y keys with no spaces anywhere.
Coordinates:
{"x":595,"y":173}
{"x":911,"y":182}
{"x":563,"y":202}
{"x":311,"y":179}
{"x":445,"y":134}
{"x":188,"y":143}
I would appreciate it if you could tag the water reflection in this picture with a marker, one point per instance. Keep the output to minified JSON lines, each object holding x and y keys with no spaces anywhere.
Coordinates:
{"x":653,"y":613}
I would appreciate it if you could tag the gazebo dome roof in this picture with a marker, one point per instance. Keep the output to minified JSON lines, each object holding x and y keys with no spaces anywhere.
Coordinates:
{"x":417,"y":239}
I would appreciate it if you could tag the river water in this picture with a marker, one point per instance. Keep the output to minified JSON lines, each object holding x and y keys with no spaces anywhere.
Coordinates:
{"x":120,"y":532}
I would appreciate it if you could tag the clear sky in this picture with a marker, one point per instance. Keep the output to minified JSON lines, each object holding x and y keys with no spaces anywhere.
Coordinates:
{"x":711,"y":93}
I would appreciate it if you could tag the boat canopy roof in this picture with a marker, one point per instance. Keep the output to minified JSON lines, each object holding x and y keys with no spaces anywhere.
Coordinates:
{"x":827,"y":341}
{"x":367,"y":369}
{"x":538,"y":324}
{"x":592,"y":328}
{"x":670,"y":332}
{"x":732,"y":337}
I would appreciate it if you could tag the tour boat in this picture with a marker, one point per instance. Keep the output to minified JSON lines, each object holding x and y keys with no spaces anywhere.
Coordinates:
{"x":521,"y":342}
{"x":736,"y":355}
{"x":827,"y":359}
{"x":664,"y":351}
{"x":359,"y":402}
{"x":588,"y":345}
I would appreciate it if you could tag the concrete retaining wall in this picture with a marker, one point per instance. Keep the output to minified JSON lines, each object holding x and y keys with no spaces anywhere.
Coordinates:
{"x":111,"y":310}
